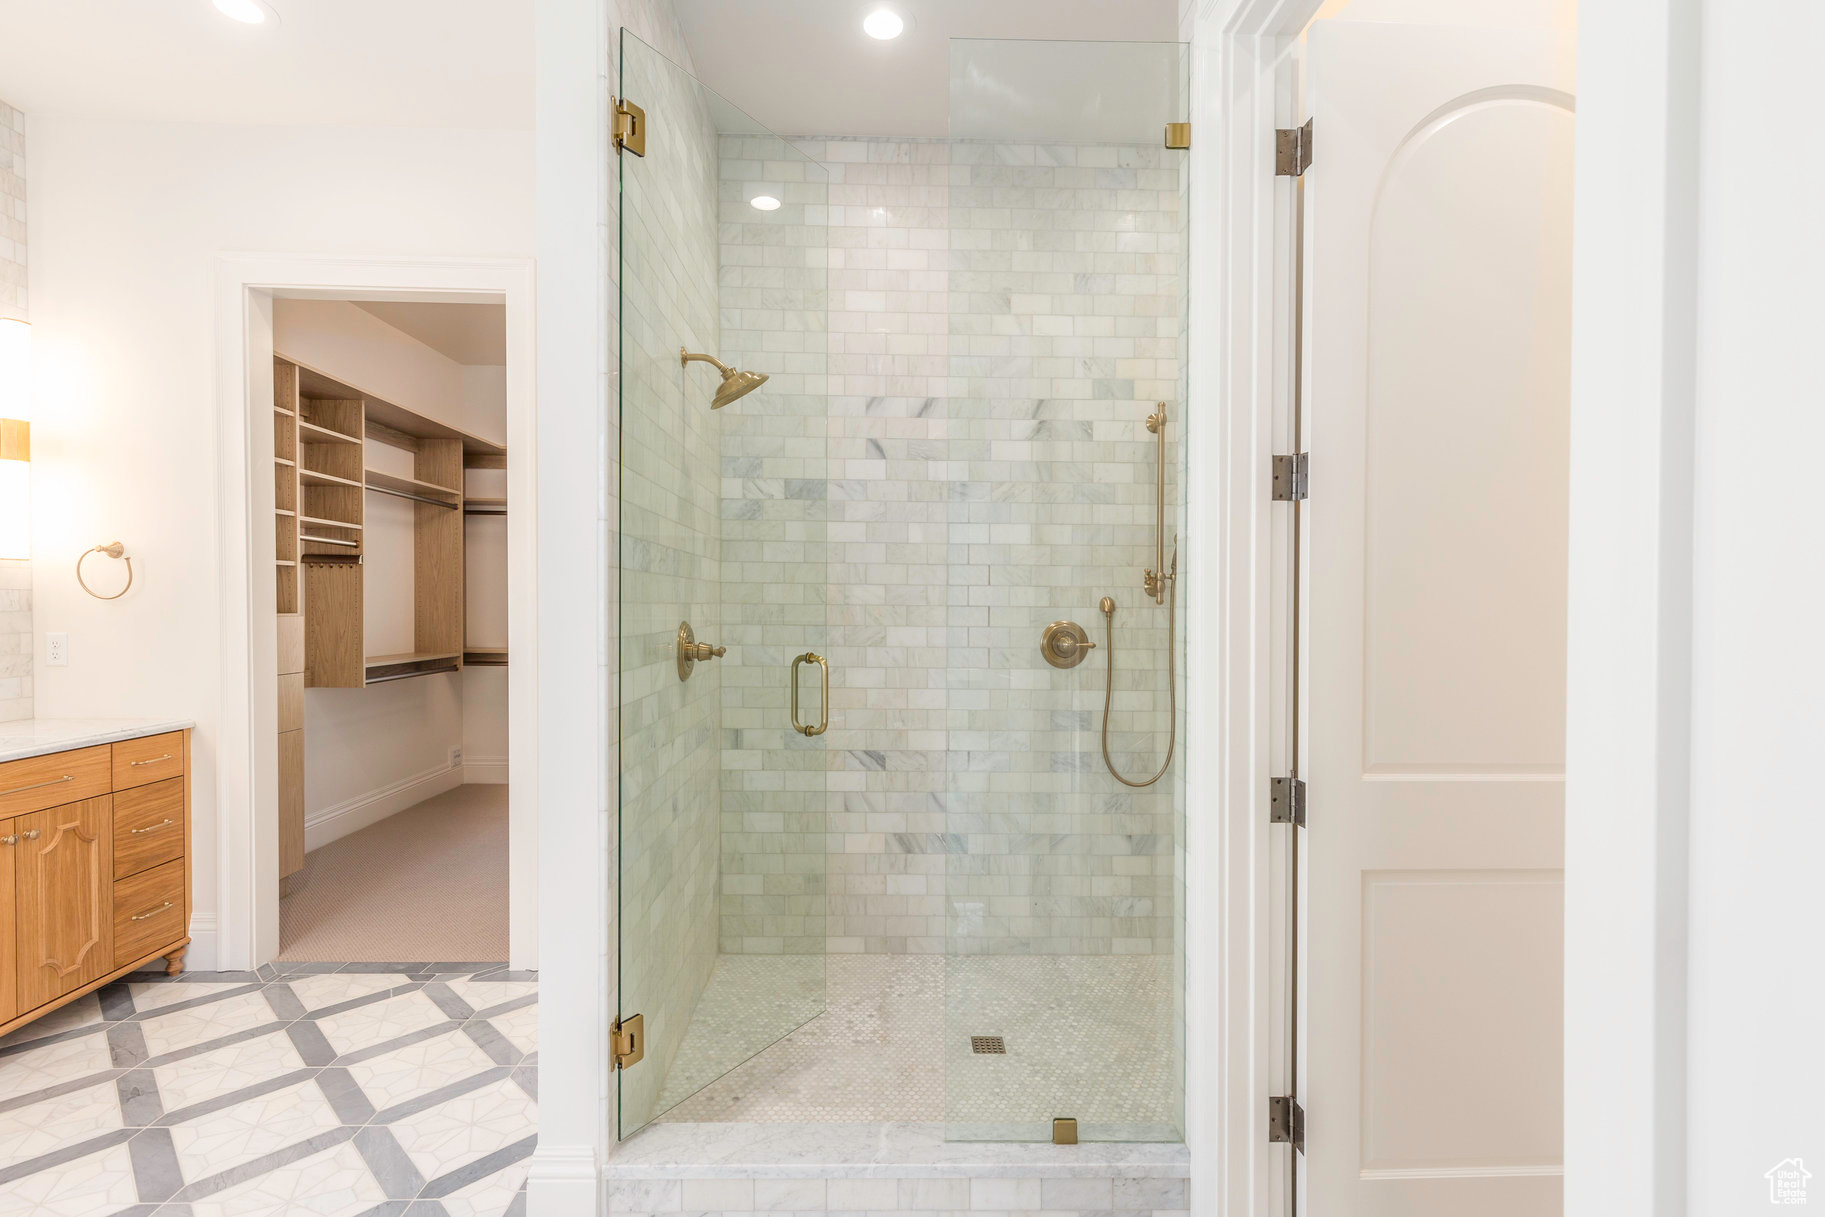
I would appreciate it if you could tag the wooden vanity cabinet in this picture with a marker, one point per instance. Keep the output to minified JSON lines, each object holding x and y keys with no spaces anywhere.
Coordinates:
{"x":97,"y":886}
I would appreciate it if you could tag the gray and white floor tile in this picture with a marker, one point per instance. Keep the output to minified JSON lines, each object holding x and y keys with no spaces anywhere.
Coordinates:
{"x":317,"y":1089}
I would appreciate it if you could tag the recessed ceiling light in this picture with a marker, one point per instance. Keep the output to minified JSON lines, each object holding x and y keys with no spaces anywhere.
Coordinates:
{"x":883,"y":23}
{"x":248,"y":12}
{"x":764,"y":202}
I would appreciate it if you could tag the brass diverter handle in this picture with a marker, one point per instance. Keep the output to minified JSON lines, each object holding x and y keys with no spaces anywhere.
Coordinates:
{"x":1065,"y":644}
{"x":690,"y":651}
{"x":823,"y":721}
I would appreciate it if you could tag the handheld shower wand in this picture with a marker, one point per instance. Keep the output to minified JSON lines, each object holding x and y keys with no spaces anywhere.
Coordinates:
{"x":1161,"y":584}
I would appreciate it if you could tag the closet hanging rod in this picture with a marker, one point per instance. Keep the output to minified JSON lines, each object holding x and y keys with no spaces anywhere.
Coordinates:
{"x":330,"y":541}
{"x":381,"y":680}
{"x":404,"y":494}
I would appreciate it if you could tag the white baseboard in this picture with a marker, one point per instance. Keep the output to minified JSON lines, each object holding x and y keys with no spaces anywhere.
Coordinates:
{"x":353,"y":815}
{"x":485,"y":770}
{"x":200,"y":955}
{"x":563,"y":1182}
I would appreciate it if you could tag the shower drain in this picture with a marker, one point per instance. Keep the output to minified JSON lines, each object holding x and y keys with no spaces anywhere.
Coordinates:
{"x":989,"y":1045}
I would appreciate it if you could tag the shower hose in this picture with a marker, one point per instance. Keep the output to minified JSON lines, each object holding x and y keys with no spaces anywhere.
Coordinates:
{"x":1172,"y":687}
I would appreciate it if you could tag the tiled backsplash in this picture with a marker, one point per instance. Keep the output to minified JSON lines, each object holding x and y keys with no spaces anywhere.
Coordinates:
{"x":1002,"y":319}
{"x":15,"y":575}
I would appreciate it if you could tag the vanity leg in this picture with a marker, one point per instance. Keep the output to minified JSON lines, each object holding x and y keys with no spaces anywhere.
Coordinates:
{"x":174,"y":962}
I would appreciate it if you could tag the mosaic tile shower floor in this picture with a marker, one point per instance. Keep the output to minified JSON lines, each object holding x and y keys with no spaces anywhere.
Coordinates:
{"x":339,"y":1090}
{"x":1086,"y":1036}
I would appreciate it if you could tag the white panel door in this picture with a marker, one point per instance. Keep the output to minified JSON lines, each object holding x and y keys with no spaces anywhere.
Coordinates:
{"x":1439,"y":206}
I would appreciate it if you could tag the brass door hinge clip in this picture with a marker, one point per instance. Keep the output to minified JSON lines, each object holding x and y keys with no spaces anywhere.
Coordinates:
{"x":629,"y":127}
{"x":1178,"y":135}
{"x":629,"y":1041}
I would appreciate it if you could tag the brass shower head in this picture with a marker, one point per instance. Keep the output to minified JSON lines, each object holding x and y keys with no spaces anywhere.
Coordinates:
{"x":735,"y":383}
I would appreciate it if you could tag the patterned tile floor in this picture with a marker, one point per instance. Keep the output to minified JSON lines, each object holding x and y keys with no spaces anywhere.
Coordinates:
{"x":1086,"y":1036}
{"x":338,"y":1090}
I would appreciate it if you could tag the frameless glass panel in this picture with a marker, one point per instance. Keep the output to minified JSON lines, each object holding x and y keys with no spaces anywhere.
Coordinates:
{"x":1067,"y":331}
{"x":722,"y":587}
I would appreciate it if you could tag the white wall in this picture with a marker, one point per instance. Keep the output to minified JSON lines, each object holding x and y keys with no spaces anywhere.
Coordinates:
{"x":1693,"y":811}
{"x":17,"y":638}
{"x":369,"y":753}
{"x":126,"y":221}
{"x":1758,"y":578}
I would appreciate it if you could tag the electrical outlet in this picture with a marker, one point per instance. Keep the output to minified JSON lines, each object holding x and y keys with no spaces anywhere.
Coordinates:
{"x":56,"y":650}
{"x":456,"y":758}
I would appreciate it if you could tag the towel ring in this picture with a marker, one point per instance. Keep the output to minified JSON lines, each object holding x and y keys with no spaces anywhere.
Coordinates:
{"x":113,"y":550}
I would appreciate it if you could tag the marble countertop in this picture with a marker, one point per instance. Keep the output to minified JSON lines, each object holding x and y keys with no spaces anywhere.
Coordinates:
{"x":37,"y":736}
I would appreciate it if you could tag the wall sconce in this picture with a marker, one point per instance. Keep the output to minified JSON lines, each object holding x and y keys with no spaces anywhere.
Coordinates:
{"x":15,"y":440}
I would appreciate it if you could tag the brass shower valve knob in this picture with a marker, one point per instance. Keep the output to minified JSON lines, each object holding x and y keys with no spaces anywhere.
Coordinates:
{"x":1065,"y":644}
{"x":691,"y":652}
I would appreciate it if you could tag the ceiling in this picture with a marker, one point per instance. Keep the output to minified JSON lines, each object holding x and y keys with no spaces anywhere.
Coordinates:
{"x":804,"y":67}
{"x":394,"y":63}
{"x":472,"y":334}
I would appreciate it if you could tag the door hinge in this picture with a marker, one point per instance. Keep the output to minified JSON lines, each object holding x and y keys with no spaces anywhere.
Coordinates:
{"x":629,"y":127}
{"x":1292,"y":477}
{"x":1178,"y":135}
{"x":629,"y":1041}
{"x":1293,"y":150}
{"x":1286,"y":804}
{"x":1286,"y":1121}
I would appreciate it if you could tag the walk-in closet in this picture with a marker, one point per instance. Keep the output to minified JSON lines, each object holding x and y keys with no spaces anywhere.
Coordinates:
{"x":390,"y":561}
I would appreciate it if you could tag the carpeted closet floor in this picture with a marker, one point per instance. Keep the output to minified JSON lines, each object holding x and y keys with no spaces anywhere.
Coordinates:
{"x":427,"y":885}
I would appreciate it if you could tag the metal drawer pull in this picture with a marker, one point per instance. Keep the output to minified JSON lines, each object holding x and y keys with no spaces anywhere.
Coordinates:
{"x":150,"y":827}
{"x":142,"y":916}
{"x":31,"y":834}
{"x":152,"y":761}
{"x":824,"y":707}
{"x":39,"y":785}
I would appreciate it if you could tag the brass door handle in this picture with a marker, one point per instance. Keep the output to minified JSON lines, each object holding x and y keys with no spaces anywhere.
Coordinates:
{"x":142,"y":916}
{"x":150,"y":760}
{"x":823,"y":722}
{"x":10,"y":839}
{"x":31,"y":834}
{"x":150,"y":827}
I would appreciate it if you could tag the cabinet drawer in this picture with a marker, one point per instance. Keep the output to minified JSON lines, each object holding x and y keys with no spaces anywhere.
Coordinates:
{"x":148,"y":912}
{"x":139,"y":762}
{"x":148,"y":826}
{"x":47,"y":781}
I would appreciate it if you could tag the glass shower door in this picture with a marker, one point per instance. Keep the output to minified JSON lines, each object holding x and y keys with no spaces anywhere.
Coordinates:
{"x":1067,"y":417}
{"x":722,"y":591}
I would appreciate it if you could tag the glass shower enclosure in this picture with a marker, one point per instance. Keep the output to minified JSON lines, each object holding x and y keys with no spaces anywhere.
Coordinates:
{"x":900,"y":670}
{"x":722,"y":544}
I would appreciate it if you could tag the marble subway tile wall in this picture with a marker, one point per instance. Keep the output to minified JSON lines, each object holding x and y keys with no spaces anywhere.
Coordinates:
{"x":670,"y":553}
{"x":15,"y":573}
{"x":1002,"y":320}
{"x":1065,"y":331}
{"x":776,"y":533}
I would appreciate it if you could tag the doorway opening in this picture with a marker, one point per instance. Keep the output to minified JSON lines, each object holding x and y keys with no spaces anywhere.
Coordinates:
{"x":390,"y":505}
{"x":382,"y":588}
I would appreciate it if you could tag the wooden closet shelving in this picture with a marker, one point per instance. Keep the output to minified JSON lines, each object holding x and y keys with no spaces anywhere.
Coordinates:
{"x":322,"y":429}
{"x":336,"y":424}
